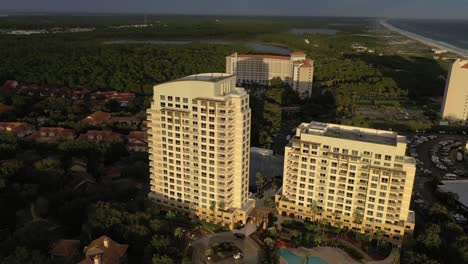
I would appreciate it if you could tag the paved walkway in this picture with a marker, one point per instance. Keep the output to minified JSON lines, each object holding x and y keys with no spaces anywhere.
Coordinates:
{"x":250,"y":250}
{"x":248,"y":229}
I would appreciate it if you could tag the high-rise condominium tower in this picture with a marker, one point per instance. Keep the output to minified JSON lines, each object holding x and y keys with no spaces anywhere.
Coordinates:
{"x":455,"y":104}
{"x":296,"y":70}
{"x":199,"y":141}
{"x":356,"y":176}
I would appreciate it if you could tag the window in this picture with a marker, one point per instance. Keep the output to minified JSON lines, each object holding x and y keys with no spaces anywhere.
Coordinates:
{"x":162,"y":97}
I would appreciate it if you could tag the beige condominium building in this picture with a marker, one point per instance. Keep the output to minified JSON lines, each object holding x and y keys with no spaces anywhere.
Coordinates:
{"x":199,"y":139}
{"x":357,"y":176}
{"x":455,"y":104}
{"x":296,"y":70}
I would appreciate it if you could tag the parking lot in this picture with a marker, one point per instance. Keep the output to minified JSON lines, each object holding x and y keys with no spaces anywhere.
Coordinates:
{"x":436,"y":156}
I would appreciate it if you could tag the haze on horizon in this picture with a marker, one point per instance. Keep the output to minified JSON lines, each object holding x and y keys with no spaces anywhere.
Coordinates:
{"x":436,"y":9}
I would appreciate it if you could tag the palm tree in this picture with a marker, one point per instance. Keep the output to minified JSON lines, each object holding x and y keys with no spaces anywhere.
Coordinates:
{"x":369,"y":236}
{"x":178,"y":232}
{"x":451,"y":198}
{"x":317,"y":241}
{"x":357,"y":220}
{"x":338,"y":225}
{"x":322,"y":223}
{"x":221,"y":205}
{"x":313,"y":210}
{"x":169,"y":217}
{"x":213,"y":208}
{"x":208,"y":252}
{"x":260,"y":180}
{"x":379,"y":235}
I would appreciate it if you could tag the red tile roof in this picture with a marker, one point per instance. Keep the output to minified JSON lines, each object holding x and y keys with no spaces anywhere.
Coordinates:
{"x":113,"y":253}
{"x":297,"y":53}
{"x":140,"y":135}
{"x":465,"y":66}
{"x":96,"y":118}
{"x":51,"y":134}
{"x":124,"y":119}
{"x":308,"y":63}
{"x":98,"y":136}
{"x":16,"y":127}
{"x":64,"y":247}
{"x":137,"y":141}
{"x":256,"y":56}
{"x":10,"y":84}
{"x":3,"y":108}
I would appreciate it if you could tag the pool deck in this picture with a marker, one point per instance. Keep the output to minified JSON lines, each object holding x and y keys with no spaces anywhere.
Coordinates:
{"x":335,"y":255}
{"x":329,"y":254}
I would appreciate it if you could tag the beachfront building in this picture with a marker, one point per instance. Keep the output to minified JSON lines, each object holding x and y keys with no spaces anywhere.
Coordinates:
{"x":358,"y":176}
{"x":296,"y":70}
{"x":199,"y":140}
{"x":455,"y":103}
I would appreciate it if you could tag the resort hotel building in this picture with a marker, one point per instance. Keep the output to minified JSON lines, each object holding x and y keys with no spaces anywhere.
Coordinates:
{"x":455,"y":103}
{"x":199,"y":141}
{"x":358,"y":176}
{"x":295,"y":70}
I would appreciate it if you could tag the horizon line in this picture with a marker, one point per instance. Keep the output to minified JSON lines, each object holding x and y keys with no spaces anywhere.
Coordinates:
{"x":93,"y":13}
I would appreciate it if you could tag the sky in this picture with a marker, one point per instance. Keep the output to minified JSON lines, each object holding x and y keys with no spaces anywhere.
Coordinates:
{"x":452,"y":9}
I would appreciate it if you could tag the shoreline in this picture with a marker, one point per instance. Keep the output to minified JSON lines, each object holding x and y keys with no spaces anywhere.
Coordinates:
{"x":424,"y":40}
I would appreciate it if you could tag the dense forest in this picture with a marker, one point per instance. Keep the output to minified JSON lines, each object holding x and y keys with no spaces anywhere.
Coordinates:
{"x":136,"y":68}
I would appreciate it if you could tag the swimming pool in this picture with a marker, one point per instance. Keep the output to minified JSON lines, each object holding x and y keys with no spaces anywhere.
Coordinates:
{"x":292,"y":258}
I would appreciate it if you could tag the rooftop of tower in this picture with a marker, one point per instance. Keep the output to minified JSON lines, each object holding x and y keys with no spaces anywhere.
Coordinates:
{"x":352,"y":133}
{"x":207,"y":77}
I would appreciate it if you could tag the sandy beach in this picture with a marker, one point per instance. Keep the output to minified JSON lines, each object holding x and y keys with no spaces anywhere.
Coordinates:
{"x":426,"y":41}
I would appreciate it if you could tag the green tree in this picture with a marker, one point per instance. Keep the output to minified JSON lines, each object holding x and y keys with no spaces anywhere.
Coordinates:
{"x":22,"y":255}
{"x":313,"y":210}
{"x":213,"y":209}
{"x":323,"y":222}
{"x":379,"y":234}
{"x":41,"y":206}
{"x":209,"y":252}
{"x":112,"y":105}
{"x":10,"y":168}
{"x":439,"y":213}
{"x":317,"y":241}
{"x":159,"y":243}
{"x":260,"y":181}
{"x":339,"y":226}
{"x":8,"y":145}
{"x":170,"y":216}
{"x":269,"y":242}
{"x":221,"y":205}
{"x":430,"y":239}
{"x":178,"y":232}
{"x":357,"y":219}
{"x":162,"y":259}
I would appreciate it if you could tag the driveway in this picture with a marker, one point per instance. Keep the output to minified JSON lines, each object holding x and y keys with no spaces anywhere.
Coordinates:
{"x":250,"y":250}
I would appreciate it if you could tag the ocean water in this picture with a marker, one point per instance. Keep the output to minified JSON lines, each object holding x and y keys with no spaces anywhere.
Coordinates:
{"x":452,"y":32}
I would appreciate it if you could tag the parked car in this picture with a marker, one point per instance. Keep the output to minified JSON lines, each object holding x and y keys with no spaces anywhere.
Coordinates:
{"x":237,"y":255}
{"x":239,"y":235}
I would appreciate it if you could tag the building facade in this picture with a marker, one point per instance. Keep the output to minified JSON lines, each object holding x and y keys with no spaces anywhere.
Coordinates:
{"x":199,"y":139}
{"x":455,"y":103}
{"x":359,"y":177}
{"x":295,"y":70}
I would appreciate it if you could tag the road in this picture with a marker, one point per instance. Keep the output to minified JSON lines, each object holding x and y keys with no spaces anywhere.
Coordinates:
{"x":250,"y":250}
